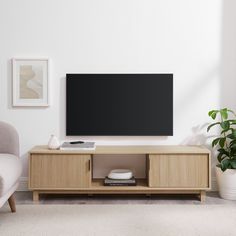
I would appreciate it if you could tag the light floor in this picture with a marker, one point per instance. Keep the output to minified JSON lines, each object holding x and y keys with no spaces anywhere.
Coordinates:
{"x":169,"y":215}
{"x":119,"y":220}
{"x":211,"y":198}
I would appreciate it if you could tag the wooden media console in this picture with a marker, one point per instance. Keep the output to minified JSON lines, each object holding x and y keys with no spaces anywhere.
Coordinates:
{"x":169,"y":170}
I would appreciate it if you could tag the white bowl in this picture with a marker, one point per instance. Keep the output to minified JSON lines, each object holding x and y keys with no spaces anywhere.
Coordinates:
{"x":120,"y":174}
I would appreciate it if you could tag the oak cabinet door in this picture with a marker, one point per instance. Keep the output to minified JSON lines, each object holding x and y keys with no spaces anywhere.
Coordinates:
{"x":179,"y":171}
{"x":60,"y":171}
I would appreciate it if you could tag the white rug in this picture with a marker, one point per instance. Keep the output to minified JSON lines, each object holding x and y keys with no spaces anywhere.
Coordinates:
{"x":119,"y":220}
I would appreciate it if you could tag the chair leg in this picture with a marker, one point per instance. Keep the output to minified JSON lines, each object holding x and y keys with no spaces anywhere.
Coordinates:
{"x":12,"y":204}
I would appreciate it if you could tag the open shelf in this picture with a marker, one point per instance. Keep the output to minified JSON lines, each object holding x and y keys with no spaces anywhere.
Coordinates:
{"x":99,"y":184}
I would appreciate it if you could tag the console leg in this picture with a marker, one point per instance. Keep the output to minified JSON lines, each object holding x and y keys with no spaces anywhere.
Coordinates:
{"x":203,"y":196}
{"x":35,"y":196}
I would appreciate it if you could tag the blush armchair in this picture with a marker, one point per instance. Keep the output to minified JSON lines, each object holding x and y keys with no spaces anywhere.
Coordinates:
{"x":10,"y":164}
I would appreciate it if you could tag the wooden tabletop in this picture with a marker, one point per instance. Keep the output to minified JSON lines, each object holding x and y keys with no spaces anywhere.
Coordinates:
{"x":128,"y":149}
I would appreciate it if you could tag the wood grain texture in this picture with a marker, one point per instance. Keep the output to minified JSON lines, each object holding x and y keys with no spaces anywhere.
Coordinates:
{"x":139,"y":149}
{"x":59,"y":171}
{"x":179,"y":171}
{"x":170,"y":170}
{"x":35,"y":196}
{"x":203,"y":196}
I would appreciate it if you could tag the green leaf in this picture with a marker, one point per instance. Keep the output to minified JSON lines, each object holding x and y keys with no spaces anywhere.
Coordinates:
{"x":223,"y":151}
{"x":225,"y":131}
{"x":232,"y":143}
{"x":233,"y":163}
{"x":233,"y":122}
{"x":222,"y":142}
{"x":215,"y":141}
{"x":218,"y":165}
{"x":213,"y":114}
{"x":231,"y":136}
{"x":225,"y":125}
{"x":232,"y":152}
{"x":224,"y":113}
{"x":210,"y":126}
{"x":220,"y":157}
{"x":225,"y":164}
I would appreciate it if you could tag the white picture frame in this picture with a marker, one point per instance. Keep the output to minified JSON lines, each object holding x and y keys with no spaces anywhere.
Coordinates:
{"x":30,"y":81}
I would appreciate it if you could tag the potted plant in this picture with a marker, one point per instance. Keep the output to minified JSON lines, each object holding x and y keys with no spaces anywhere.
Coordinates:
{"x":226,"y":148}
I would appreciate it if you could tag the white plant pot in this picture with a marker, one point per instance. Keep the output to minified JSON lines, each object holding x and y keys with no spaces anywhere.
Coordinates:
{"x":226,"y":183}
{"x":53,"y":142}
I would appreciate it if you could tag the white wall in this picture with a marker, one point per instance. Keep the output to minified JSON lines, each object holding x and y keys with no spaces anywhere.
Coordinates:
{"x":184,"y":37}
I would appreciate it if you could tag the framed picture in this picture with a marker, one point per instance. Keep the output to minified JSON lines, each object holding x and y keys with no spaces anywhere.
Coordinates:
{"x":30,"y":82}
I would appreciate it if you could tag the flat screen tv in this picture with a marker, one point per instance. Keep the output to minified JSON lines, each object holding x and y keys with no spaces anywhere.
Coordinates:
{"x":119,"y":104}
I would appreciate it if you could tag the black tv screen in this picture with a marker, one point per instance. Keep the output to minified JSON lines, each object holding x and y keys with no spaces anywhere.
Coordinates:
{"x":119,"y":104}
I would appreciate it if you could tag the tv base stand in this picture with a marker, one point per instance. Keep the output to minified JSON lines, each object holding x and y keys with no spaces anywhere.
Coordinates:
{"x":170,"y":170}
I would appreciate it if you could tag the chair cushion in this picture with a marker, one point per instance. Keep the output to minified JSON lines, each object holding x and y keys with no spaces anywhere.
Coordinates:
{"x":10,"y":171}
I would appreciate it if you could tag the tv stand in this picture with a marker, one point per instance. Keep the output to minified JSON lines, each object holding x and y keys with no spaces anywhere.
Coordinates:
{"x":170,"y":170}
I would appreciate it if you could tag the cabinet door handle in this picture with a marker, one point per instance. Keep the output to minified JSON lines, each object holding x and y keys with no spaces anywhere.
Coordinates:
{"x":89,"y":162}
{"x":149,"y":163}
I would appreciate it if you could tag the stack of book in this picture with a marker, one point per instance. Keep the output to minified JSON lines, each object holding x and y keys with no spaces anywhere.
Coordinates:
{"x":78,"y":145}
{"x":120,"y":182}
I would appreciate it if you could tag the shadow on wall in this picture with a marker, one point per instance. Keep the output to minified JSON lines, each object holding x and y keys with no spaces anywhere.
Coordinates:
{"x":204,"y":80}
{"x":227,"y":71}
{"x":227,"y":74}
{"x":198,"y":136}
{"x":228,"y":56}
